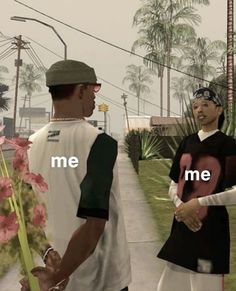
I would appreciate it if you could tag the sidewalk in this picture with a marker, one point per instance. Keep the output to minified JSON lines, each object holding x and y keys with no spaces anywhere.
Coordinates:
{"x":141,"y":232}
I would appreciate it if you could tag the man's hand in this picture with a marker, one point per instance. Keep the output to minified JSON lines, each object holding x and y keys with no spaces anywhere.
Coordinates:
{"x":24,"y":284}
{"x":46,"y":278}
{"x":187,"y":213}
{"x":188,"y":209}
{"x":193,"y":223}
{"x":53,"y":260}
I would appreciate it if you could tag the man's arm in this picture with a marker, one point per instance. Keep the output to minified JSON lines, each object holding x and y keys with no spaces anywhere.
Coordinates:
{"x":192,"y":222}
{"x":173,"y":194}
{"x":223,"y":198}
{"x":81,"y":245}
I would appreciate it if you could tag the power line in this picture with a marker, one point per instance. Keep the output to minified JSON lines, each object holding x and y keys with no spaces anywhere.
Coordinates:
{"x":5,"y":36}
{"x":5,"y":43}
{"x":41,"y":65}
{"x":32,"y":59}
{"x":8,"y":48}
{"x":45,"y":47}
{"x":7,"y":55}
{"x":120,"y":48}
{"x":119,"y":104}
{"x":38,"y":64}
{"x":10,"y":39}
{"x":128,"y":92}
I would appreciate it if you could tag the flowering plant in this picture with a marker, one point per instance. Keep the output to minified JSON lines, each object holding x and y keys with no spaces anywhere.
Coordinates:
{"x":22,"y":217}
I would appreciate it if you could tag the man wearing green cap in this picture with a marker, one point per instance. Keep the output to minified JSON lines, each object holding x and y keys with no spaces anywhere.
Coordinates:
{"x":85,"y":222}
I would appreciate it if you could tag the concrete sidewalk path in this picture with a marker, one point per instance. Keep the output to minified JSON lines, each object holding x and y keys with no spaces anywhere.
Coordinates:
{"x":141,"y":231}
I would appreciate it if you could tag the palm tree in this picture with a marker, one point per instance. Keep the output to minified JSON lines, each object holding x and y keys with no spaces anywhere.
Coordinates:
{"x":138,"y":77}
{"x":179,"y":86}
{"x":3,"y":69}
{"x":153,"y":59}
{"x":169,"y":23}
{"x":29,"y":78}
{"x":199,"y":58}
{"x":4,"y":102}
{"x":230,"y":54}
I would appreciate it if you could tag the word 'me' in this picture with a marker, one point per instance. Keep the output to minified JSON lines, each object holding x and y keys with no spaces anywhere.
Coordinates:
{"x":195,"y":175}
{"x":59,"y":162}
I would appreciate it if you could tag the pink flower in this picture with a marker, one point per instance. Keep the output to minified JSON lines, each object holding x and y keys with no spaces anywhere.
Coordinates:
{"x":39,"y":215}
{"x":8,"y":227}
{"x":19,"y":143}
{"x":36,"y":181}
{"x":5,"y":187}
{"x":20,"y":161}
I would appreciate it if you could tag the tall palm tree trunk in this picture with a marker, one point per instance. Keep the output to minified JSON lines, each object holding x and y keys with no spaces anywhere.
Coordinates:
{"x":168,"y":77}
{"x":161,"y":94}
{"x":168,"y":90}
{"x":169,"y":45}
{"x":138,"y":97}
{"x":230,"y":55}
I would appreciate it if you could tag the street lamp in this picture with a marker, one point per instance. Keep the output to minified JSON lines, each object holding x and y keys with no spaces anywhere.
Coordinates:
{"x":24,"y":19}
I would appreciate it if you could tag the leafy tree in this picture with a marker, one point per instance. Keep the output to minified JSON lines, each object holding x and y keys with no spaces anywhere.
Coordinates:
{"x":168,"y":23}
{"x":178,"y":85}
{"x":199,"y":58}
{"x":4,"y":70}
{"x":139,"y":79}
{"x":4,"y":102}
{"x":29,"y":79}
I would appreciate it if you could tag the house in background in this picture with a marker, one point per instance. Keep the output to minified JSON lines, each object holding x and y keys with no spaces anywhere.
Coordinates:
{"x":165,"y":126}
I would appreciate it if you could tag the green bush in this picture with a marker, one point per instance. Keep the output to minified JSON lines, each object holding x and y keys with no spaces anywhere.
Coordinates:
{"x":149,"y":145}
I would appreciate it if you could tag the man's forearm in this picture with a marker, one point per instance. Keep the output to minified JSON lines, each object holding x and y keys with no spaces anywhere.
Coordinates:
{"x":223,"y":198}
{"x":173,"y":194}
{"x":80,"y":247}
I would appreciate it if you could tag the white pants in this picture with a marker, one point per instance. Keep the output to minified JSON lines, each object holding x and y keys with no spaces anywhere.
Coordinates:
{"x":176,"y":278}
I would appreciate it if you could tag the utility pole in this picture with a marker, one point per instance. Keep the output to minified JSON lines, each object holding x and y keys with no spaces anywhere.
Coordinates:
{"x":20,"y":44}
{"x":104,"y":108}
{"x":124,"y":97}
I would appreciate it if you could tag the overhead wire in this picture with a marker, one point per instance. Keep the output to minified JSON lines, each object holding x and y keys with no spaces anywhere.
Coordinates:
{"x":10,"y":39}
{"x":120,"y":105}
{"x":41,"y":65}
{"x":8,"y":48}
{"x":7,"y":55}
{"x":142,"y":99}
{"x":120,"y":48}
{"x":5,"y":43}
{"x":32,"y":59}
{"x":44,"y":47}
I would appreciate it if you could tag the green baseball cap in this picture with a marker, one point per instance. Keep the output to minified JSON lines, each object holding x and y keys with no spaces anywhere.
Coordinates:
{"x":70,"y":72}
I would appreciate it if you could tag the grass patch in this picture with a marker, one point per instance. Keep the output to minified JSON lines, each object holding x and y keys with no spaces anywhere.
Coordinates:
{"x":151,"y":175}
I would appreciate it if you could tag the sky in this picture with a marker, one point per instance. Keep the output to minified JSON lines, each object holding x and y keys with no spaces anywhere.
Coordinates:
{"x":109,"y":20}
